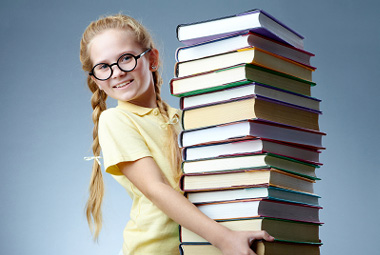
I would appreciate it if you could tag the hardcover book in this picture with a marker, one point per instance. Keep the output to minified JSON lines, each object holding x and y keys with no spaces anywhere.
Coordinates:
{"x":235,"y":179}
{"x":235,"y":76}
{"x":249,"y":162}
{"x":254,"y":107}
{"x":245,"y":56}
{"x":255,"y":20}
{"x":251,"y":146}
{"x":269,"y":192}
{"x":251,"y":128}
{"x":280,"y":229}
{"x":251,"y":208}
{"x":241,"y":41}
{"x":261,"y":248}
{"x":246,"y":90}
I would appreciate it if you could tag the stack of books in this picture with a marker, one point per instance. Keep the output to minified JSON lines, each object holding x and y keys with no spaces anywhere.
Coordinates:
{"x":251,"y":138}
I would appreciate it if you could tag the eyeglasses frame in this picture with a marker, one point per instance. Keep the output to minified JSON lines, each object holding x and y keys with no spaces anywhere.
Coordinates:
{"x":117,"y":64}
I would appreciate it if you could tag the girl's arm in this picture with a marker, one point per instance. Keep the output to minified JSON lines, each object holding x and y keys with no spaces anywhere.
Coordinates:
{"x":148,"y":178}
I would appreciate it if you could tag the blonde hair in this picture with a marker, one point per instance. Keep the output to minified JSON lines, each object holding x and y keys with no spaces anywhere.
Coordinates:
{"x":98,"y":102}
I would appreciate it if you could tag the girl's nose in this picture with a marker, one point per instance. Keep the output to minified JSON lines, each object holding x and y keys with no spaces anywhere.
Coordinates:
{"x":116,"y":72}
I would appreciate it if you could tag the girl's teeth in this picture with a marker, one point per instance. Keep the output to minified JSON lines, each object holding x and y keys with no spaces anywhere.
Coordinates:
{"x":122,"y":85}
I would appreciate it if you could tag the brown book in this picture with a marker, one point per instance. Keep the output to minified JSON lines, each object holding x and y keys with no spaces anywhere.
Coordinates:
{"x":280,"y":229}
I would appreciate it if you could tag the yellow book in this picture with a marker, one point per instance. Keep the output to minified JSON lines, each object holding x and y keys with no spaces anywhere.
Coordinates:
{"x":250,"y":108}
{"x":249,"y":56}
{"x":246,"y":178}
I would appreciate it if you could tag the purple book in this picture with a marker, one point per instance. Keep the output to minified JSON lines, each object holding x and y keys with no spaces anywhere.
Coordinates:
{"x":257,"y":21}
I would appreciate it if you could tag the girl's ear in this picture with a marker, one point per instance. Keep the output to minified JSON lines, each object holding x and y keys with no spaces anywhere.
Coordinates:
{"x":153,"y":59}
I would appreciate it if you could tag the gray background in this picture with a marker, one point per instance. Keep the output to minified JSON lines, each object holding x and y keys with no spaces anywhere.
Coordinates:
{"x":46,"y":117}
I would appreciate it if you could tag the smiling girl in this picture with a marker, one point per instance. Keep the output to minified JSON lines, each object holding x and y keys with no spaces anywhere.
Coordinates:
{"x":138,"y":139}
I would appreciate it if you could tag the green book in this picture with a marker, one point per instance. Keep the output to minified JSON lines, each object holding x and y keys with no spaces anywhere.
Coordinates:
{"x":235,"y":76}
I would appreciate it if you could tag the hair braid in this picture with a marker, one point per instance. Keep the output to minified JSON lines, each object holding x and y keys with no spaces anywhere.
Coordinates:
{"x":96,"y":187}
{"x":173,"y":134}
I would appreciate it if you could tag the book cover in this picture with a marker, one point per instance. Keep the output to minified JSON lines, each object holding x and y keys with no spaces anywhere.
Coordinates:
{"x":251,"y":128}
{"x":251,"y":208}
{"x":247,"y":178}
{"x":248,"y":56}
{"x":251,"y":146}
{"x":254,"y":107}
{"x":235,"y":76}
{"x":260,"y":247}
{"x":249,"y":162}
{"x":237,"y":193}
{"x":255,"y":20}
{"x":250,"y":89}
{"x":285,"y":230}
{"x":241,"y":41}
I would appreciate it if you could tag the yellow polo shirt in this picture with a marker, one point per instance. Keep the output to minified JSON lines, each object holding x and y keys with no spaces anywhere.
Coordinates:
{"x":127,"y":133}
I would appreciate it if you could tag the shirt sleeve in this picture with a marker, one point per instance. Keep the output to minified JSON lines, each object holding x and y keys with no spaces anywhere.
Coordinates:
{"x":120,"y":140}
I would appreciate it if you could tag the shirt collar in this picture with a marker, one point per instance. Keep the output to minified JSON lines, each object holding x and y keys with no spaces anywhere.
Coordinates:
{"x":139,"y":110}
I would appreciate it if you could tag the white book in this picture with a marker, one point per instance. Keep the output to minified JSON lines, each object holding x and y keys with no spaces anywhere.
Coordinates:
{"x":258,"y":192}
{"x":252,"y":128}
{"x":255,"y":208}
{"x":250,"y":146}
{"x":241,"y":41}
{"x":255,"y":20}
{"x":258,"y":161}
{"x":247,"y":90}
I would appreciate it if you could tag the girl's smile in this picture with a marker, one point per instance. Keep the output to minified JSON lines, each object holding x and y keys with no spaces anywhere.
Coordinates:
{"x":123,"y":85}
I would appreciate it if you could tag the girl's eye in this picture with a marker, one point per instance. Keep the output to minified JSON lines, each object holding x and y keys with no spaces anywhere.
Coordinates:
{"x":101,"y":67}
{"x":104,"y":66}
{"x":126,"y":58}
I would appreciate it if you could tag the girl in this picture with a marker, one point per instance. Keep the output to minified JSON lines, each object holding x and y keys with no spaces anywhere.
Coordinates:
{"x":139,"y":143}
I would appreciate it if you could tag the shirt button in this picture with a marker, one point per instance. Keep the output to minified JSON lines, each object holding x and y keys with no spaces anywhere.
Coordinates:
{"x":155,"y":112}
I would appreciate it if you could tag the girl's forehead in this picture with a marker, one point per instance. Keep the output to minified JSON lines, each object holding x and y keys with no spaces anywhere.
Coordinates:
{"x":111,"y":44}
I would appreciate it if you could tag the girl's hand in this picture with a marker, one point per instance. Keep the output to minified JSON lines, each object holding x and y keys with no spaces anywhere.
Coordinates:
{"x":239,"y":242}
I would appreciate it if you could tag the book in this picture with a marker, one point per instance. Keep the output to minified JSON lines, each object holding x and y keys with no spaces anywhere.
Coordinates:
{"x":236,"y":76}
{"x":253,"y":107}
{"x":250,"y":146}
{"x":245,"y":179}
{"x":253,"y":20}
{"x":269,"y":192}
{"x":241,"y":41}
{"x":251,"y":128}
{"x":280,"y":229}
{"x":250,"y":89}
{"x":260,"y":247}
{"x":250,"y":208}
{"x":281,"y":248}
{"x":252,"y":55}
{"x":245,"y":162}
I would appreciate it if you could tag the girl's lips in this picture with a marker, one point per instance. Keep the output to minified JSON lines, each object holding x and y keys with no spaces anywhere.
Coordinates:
{"x":122,"y":85}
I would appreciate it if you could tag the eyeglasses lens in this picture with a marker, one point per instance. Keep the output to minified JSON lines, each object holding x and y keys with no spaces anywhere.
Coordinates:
{"x":127,"y":62}
{"x":102,"y":71}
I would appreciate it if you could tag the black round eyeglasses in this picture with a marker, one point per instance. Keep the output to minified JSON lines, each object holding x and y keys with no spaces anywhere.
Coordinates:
{"x":126,"y":63}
